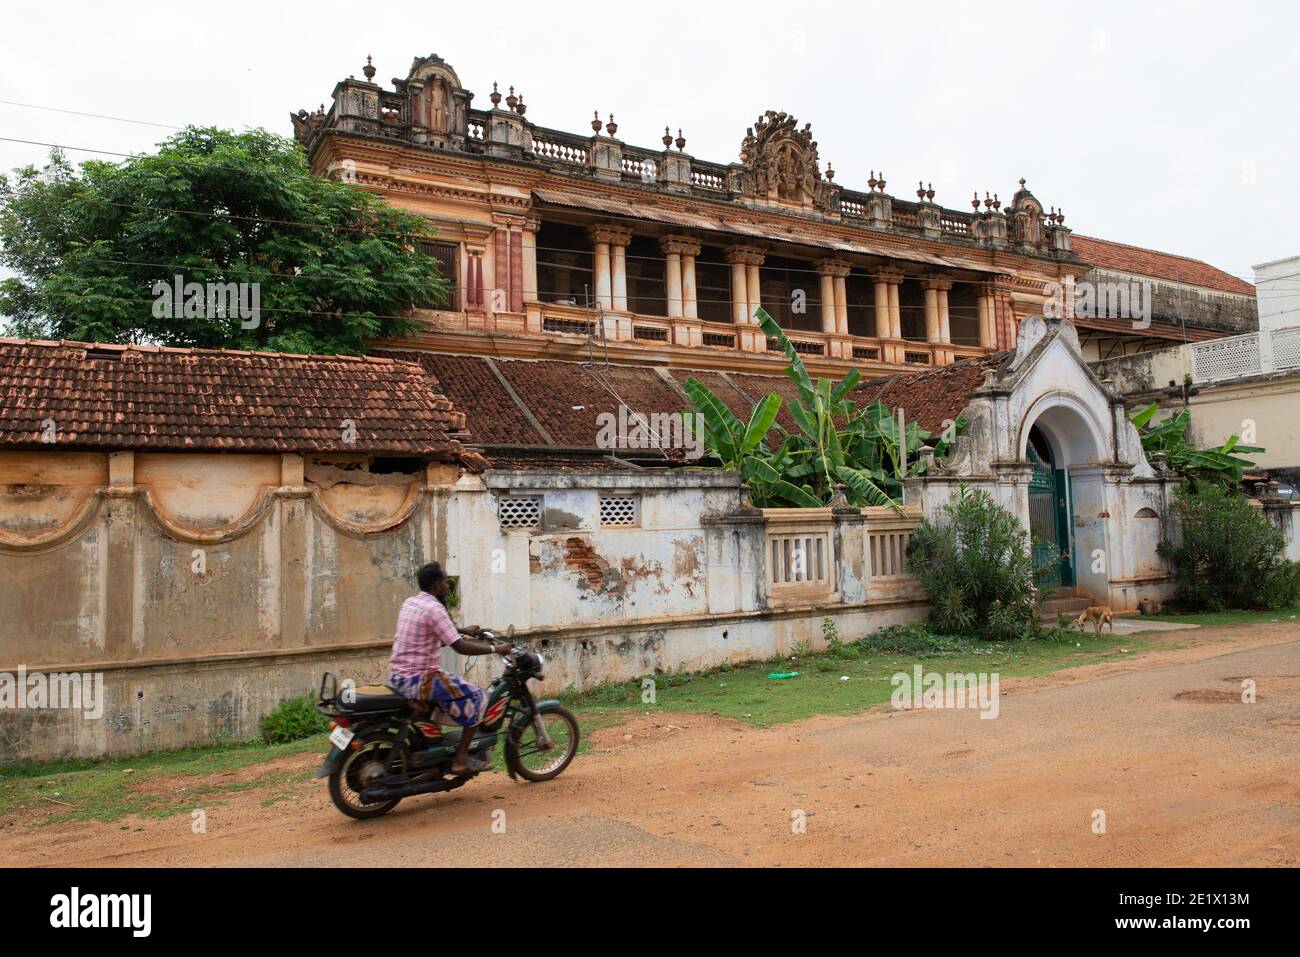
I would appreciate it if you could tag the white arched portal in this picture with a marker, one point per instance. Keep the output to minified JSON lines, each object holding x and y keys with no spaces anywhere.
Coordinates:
{"x":1070,"y":427}
{"x":1078,"y":444}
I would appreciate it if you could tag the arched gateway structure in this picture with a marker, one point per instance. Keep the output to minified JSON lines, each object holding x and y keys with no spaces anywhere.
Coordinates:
{"x":1055,"y":446}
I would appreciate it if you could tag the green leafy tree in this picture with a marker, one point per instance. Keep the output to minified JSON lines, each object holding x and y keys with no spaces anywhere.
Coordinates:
{"x":1229,"y":555}
{"x":977,"y":570}
{"x":1168,"y":440}
{"x":837,"y":442}
{"x":335,"y":266}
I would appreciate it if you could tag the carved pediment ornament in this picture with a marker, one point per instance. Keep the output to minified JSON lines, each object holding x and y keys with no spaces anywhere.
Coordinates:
{"x":781,"y":162}
{"x":1026,"y":220}
{"x":440,"y":102}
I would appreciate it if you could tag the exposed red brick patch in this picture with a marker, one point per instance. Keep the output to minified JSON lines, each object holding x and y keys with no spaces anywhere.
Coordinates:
{"x":580,"y":557}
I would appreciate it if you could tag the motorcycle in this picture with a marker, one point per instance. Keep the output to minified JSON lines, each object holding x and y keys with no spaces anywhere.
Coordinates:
{"x":384,"y":747}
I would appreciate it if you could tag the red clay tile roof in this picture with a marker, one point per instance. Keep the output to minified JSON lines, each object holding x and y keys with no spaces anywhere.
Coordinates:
{"x":1147,"y":262}
{"x":161,"y":399}
{"x":553,"y":461}
{"x":491,"y":414}
{"x":934,"y":396}
{"x":566,"y":397}
{"x":1156,"y":330}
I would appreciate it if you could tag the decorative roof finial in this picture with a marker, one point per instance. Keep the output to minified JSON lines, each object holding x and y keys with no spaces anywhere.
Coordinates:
{"x":369,"y":69}
{"x":595,"y":120}
{"x":495,"y":95}
{"x":830,"y":172}
{"x":1022,"y":182}
{"x":871,"y":183}
{"x":611,"y":127}
{"x":681,"y":141}
{"x":667,"y":138}
{"x":988,"y":202}
{"x":520,"y":108}
{"x":929,"y":191}
{"x":920,"y":190}
{"x":997,"y":203}
{"x":975,"y":201}
{"x":511,"y":100}
{"x":881,"y":182}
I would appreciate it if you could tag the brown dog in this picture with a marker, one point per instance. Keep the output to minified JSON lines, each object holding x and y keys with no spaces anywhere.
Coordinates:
{"x":1098,"y":615}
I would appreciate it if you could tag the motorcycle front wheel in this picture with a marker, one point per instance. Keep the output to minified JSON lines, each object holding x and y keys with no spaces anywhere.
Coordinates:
{"x":528,"y":759}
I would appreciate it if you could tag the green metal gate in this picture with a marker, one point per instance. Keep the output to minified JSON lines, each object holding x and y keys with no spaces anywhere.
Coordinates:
{"x":1049,"y":520}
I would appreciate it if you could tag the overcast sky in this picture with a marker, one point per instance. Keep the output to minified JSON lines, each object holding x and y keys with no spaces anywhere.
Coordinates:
{"x":1167,"y":125}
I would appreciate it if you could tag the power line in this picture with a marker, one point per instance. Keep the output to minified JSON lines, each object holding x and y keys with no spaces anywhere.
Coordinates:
{"x":98,"y":116}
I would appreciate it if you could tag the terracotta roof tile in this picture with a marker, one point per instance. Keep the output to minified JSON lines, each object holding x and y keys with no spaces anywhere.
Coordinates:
{"x":491,"y":414}
{"x":934,"y":396}
{"x":1154,"y":330}
{"x":1147,"y":262}
{"x":567,"y":397}
{"x":163,"y":399}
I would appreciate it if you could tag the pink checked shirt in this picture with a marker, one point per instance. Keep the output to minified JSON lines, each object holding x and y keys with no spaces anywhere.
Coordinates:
{"x":423,"y":627}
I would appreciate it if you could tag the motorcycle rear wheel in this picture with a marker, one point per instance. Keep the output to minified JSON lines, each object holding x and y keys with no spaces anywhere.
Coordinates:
{"x":531,"y":763}
{"x":357,"y":771}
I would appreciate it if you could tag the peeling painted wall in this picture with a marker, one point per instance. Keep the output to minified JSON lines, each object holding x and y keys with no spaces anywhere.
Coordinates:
{"x":206,"y":588}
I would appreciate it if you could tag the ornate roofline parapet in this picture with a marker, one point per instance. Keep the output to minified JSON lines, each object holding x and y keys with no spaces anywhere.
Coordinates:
{"x":779,"y":167}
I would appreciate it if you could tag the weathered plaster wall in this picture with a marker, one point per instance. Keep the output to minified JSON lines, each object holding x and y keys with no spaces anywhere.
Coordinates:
{"x":154,"y":569}
{"x":1261,"y":409}
{"x":1195,"y":305}
{"x":204,"y":589}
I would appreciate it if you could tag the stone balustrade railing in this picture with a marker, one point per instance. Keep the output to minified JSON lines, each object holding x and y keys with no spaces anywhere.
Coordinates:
{"x":816,"y":555}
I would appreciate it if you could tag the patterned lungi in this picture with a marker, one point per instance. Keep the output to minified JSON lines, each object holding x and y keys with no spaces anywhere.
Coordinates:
{"x":460,"y":700}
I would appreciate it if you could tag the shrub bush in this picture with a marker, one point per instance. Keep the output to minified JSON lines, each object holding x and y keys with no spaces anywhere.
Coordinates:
{"x":977,"y":571}
{"x":1230,"y":555}
{"x":291,"y":719}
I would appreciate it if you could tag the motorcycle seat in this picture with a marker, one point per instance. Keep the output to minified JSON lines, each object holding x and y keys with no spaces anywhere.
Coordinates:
{"x":376,"y":698}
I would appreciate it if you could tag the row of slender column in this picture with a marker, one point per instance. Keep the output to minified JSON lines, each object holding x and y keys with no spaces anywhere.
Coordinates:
{"x":679,"y":275}
{"x":746,"y":295}
{"x":510,"y":257}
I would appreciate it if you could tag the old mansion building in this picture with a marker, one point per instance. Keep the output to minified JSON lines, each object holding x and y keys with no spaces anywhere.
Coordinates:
{"x":200,"y":533}
{"x":555,"y":239}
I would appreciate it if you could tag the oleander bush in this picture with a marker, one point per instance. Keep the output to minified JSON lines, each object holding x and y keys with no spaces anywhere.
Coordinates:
{"x":1230,"y":555}
{"x":977,"y":570}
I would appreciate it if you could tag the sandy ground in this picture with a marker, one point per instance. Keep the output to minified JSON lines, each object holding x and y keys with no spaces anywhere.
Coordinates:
{"x":1185,"y":773}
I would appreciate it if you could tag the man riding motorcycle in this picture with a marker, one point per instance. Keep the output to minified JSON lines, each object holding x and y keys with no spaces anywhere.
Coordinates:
{"x":423,"y":628}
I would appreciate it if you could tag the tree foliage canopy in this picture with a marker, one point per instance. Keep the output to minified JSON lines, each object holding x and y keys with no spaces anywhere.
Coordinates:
{"x":336,"y":266}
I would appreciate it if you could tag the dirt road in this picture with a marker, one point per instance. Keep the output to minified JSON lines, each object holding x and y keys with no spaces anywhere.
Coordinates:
{"x":1184,"y":771}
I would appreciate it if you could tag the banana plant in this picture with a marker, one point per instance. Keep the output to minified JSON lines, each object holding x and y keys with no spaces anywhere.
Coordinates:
{"x":836,"y":441}
{"x":1222,"y":465}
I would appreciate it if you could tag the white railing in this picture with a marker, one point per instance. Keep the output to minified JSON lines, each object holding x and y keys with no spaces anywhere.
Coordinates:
{"x":800,"y":552}
{"x":1257,"y":353}
{"x":889,"y":531}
